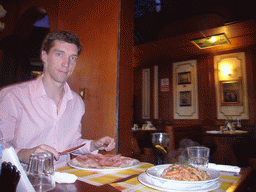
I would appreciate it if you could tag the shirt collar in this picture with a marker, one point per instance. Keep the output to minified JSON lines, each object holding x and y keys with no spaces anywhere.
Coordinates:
{"x":38,"y":90}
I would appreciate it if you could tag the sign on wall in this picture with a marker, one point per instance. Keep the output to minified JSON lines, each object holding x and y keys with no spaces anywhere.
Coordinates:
{"x":165,"y":86}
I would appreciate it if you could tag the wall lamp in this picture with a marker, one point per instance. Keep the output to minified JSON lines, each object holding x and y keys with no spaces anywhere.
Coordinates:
{"x":211,"y":41}
{"x":226,"y":70}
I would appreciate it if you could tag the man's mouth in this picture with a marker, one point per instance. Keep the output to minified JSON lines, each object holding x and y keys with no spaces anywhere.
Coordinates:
{"x":64,"y":72}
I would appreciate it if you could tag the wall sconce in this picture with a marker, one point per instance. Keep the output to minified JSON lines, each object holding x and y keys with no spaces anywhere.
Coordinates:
{"x":211,"y":41}
{"x":226,"y":70}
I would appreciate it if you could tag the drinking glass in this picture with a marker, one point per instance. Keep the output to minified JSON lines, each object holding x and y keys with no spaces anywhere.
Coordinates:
{"x":41,"y":170}
{"x":198,"y":156}
{"x":160,"y":142}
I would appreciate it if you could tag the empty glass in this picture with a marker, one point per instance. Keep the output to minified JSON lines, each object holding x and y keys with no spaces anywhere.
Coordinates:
{"x":41,"y":170}
{"x":160,"y":142}
{"x":198,"y":156}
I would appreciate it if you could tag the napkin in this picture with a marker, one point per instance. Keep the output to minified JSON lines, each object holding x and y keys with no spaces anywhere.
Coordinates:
{"x":227,"y":168}
{"x":64,"y":177}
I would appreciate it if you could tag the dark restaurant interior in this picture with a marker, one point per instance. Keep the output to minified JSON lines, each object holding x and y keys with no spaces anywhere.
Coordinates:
{"x":129,"y":48}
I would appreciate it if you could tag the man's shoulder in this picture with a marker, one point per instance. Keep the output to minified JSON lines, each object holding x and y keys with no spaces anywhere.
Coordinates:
{"x":17,"y":87}
{"x":77,"y":101}
{"x":76,"y":96}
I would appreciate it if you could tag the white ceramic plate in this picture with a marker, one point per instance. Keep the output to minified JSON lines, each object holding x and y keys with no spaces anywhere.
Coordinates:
{"x":135,"y":163}
{"x":156,"y":172}
{"x":146,"y":180}
{"x":213,"y":132}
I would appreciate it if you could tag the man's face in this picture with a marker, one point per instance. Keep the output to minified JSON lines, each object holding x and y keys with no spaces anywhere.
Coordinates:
{"x":60,"y":61}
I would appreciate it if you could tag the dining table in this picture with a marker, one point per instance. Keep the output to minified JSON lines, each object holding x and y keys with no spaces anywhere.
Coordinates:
{"x":127,"y":180}
{"x":224,"y":140}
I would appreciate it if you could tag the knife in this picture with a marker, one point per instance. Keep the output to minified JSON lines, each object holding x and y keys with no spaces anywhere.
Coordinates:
{"x":71,"y":149}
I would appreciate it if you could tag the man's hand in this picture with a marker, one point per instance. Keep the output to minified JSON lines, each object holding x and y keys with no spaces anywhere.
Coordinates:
{"x":105,"y":143}
{"x":24,"y":154}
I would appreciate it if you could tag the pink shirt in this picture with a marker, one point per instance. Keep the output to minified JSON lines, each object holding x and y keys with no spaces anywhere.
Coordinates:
{"x":28,"y":118}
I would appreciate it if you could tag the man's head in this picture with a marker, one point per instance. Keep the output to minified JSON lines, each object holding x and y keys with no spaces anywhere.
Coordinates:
{"x":65,"y":36}
{"x":59,"y":54}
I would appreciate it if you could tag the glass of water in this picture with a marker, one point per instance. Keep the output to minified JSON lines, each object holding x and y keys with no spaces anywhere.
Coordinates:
{"x":198,"y":156}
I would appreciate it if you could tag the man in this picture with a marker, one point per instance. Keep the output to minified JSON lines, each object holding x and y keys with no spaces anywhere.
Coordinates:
{"x":45,"y":114}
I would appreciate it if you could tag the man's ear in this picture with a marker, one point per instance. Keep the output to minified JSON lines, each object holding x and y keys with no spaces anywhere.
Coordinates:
{"x":43,"y":56}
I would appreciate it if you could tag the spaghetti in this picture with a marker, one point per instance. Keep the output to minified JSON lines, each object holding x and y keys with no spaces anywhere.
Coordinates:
{"x":184,"y":173}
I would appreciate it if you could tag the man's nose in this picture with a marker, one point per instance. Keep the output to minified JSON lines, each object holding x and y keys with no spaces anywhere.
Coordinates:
{"x":65,"y":62}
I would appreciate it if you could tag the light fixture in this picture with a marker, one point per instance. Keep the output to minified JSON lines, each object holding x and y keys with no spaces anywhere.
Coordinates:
{"x":211,"y":41}
{"x":226,"y":70}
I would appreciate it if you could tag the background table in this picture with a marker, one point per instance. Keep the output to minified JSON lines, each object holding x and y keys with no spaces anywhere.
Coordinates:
{"x":224,"y":153}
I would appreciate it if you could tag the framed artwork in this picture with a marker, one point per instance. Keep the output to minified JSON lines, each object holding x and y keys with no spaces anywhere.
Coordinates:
{"x":184,"y":78}
{"x":231,"y":93}
{"x":185,"y":98}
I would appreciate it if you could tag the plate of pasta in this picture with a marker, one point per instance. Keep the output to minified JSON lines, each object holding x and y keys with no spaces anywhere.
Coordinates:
{"x":149,"y":182}
{"x":182,"y":176}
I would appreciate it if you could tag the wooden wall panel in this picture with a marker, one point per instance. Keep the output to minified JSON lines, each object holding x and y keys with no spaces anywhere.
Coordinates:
{"x":97,"y":25}
{"x":125,"y":78}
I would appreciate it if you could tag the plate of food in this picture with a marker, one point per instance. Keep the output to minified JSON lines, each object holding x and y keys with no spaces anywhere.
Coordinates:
{"x":182,"y":176}
{"x":103,"y":163}
{"x":149,"y":182}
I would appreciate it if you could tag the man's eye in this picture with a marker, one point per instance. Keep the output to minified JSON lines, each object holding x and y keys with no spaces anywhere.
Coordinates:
{"x":73,"y":58}
{"x":58,"y":54}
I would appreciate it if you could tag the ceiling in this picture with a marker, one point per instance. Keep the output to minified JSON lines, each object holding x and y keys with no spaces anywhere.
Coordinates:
{"x":155,"y":18}
{"x":168,"y":34}
{"x":241,"y":34}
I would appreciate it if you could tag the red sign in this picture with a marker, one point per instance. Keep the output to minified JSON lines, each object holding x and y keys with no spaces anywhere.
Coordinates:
{"x":165,"y":85}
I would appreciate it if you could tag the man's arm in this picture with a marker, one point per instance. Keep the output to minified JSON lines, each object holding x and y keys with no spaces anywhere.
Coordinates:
{"x":24,"y":154}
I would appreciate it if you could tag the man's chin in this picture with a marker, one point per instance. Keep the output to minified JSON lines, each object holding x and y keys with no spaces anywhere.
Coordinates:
{"x":61,"y":80}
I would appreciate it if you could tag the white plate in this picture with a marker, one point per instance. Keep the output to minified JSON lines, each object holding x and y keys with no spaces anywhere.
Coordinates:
{"x":146,"y":180}
{"x":135,"y":163}
{"x":213,"y":132}
{"x":156,"y":172}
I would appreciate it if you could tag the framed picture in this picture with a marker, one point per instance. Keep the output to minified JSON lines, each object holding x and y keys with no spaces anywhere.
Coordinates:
{"x":185,"y":98}
{"x":231,"y":93}
{"x":184,"y":78}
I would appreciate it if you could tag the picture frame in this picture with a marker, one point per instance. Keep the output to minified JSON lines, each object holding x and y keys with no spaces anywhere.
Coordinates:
{"x":184,"y":78}
{"x":231,"y":93}
{"x":185,"y":99}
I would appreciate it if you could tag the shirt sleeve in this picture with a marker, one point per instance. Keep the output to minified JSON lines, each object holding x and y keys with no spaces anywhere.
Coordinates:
{"x":8,"y":117}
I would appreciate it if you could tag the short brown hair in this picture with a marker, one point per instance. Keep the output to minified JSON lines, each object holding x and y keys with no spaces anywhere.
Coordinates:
{"x":65,"y":36}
